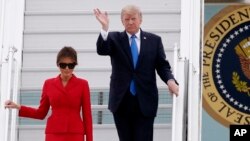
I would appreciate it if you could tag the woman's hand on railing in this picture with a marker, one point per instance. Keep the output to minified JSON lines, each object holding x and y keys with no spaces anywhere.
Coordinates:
{"x":11,"y":105}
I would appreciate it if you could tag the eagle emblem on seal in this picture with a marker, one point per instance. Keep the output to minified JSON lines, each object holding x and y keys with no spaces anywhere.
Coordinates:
{"x":243,"y":52}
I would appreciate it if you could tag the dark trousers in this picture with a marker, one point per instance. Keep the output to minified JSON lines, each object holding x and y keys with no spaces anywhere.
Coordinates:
{"x":130,"y":123}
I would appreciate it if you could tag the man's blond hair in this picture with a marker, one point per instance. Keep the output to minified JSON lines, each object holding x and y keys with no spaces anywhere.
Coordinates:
{"x":131,"y":8}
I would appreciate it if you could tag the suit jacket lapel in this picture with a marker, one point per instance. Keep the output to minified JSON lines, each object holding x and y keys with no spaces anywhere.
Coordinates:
{"x":143,"y":45}
{"x":126,"y":48}
{"x":72,"y":82}
{"x":58,"y":84}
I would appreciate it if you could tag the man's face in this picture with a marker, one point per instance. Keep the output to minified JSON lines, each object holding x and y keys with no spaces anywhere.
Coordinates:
{"x":131,"y":21}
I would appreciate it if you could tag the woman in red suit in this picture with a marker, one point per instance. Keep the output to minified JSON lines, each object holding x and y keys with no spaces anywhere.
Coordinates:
{"x":69,"y":99}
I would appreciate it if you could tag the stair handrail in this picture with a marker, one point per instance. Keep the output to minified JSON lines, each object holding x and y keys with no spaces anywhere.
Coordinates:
{"x":178,"y":111}
{"x":10,"y":61}
{"x":15,"y":96}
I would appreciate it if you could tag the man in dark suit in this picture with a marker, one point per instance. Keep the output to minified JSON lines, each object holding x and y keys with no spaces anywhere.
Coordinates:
{"x":133,"y":98}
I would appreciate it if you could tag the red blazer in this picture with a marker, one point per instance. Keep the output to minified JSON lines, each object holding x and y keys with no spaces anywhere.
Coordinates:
{"x":66,"y":103}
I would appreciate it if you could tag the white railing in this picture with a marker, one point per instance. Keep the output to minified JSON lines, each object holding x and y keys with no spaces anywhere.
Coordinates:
{"x":14,"y":97}
{"x":178,"y":110}
{"x":9,"y":91}
{"x":10,"y":116}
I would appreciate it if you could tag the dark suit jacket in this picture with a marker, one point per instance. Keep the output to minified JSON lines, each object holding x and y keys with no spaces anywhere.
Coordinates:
{"x":151,"y":57}
{"x":66,"y":103}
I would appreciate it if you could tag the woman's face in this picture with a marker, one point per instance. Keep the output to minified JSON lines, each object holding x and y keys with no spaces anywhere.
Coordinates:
{"x":66,"y":66}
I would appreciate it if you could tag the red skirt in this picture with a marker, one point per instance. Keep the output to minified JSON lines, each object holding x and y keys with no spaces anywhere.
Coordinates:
{"x":64,"y":137}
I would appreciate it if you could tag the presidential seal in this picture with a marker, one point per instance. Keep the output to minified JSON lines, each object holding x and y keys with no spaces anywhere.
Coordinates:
{"x":226,"y":66}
